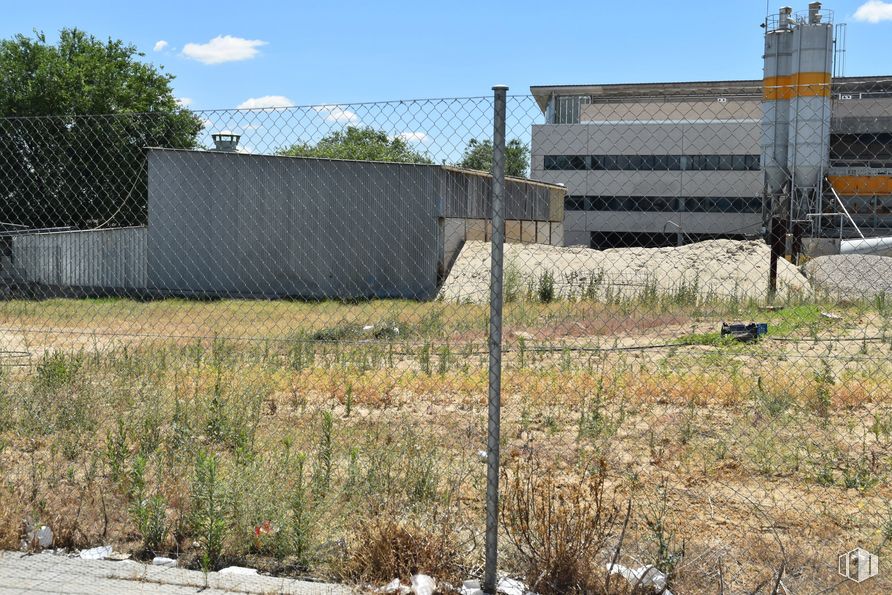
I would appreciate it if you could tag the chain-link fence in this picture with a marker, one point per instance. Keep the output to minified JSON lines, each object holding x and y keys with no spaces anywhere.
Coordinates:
{"x":259,"y":338}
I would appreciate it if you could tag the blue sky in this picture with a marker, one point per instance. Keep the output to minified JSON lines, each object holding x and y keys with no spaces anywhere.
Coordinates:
{"x":226,"y":53}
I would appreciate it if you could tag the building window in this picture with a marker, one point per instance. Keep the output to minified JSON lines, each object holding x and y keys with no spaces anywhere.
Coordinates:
{"x":574,"y":203}
{"x":653,"y":162}
{"x":665,"y":204}
{"x":566,"y":162}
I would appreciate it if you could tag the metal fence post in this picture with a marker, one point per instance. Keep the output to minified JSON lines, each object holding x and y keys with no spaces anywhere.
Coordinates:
{"x":490,"y":579}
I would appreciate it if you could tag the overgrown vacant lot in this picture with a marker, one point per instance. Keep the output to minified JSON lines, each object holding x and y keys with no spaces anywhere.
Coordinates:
{"x":342,"y":440}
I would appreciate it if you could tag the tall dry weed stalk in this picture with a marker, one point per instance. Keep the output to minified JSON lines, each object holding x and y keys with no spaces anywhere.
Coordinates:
{"x":559,"y":526}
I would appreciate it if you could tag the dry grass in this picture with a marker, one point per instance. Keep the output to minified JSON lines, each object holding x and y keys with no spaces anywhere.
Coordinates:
{"x":784,"y":442}
{"x":560,"y":528}
{"x":392,"y":545}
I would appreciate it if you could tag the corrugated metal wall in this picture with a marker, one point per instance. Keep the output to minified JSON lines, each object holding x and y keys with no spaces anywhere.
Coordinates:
{"x":235,"y":224}
{"x":107,"y":258}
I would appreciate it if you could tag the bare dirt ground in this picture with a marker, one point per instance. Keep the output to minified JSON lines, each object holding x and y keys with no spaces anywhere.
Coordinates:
{"x":743,"y":456}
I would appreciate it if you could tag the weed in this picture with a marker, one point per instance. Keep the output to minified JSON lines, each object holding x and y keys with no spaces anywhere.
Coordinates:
{"x":668,"y":553}
{"x":774,"y":403}
{"x":555,"y":527}
{"x":860,"y":473}
{"x":424,"y":358}
{"x":545,"y":288}
{"x":824,"y":382}
{"x":324,"y":457}
{"x":445,"y":357}
{"x":881,"y":427}
{"x":209,"y":503}
{"x":392,"y":544}
{"x":593,"y":285}
{"x":348,"y":400}
{"x":299,"y":522}
{"x":116,"y":451}
{"x":149,"y":514}
{"x":513,"y":282}
{"x":58,"y":370}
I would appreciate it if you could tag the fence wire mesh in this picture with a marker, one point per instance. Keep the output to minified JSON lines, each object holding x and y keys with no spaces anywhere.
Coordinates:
{"x":259,"y":337}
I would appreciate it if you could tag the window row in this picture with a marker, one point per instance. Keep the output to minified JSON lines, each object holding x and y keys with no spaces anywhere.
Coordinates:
{"x":661,"y":204}
{"x":653,"y":162}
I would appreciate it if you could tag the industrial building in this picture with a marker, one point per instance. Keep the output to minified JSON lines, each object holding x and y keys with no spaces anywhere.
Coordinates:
{"x":659,"y":164}
{"x":229,"y":224}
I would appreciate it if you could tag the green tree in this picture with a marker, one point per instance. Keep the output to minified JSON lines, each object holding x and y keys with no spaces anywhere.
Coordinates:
{"x":75,"y":118}
{"x":358,"y":142}
{"x":478,"y":155}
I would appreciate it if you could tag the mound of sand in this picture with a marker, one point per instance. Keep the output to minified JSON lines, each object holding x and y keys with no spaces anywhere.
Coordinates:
{"x":715,"y":269}
{"x":851,"y":276}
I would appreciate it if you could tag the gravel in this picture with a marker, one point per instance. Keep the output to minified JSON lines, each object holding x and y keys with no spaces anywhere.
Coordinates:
{"x":851,"y":276}
{"x":715,"y":269}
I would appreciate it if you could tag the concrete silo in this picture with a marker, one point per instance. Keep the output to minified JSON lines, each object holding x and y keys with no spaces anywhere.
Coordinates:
{"x":776,"y":94}
{"x":808,"y":155}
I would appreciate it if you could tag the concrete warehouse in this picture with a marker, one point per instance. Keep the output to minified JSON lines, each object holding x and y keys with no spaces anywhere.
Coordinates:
{"x":660,"y":164}
{"x":229,"y":224}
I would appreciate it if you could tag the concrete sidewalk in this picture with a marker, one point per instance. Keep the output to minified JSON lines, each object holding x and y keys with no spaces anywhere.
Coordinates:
{"x":59,"y":573}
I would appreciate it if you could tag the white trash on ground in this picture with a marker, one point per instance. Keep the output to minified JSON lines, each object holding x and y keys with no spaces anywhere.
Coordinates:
{"x":506,"y":586}
{"x":96,"y":553}
{"x":238,"y":570}
{"x":41,"y":536}
{"x":423,"y":584}
{"x":162,"y":561}
{"x":643,"y":576}
{"x":394,"y":586}
{"x":510,"y":586}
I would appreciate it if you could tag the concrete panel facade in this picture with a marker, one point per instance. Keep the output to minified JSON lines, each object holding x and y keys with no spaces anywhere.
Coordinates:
{"x":231,"y":224}
{"x":107,"y":259}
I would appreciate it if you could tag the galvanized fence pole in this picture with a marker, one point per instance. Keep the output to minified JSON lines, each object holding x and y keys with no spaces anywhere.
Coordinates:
{"x":495,"y":339}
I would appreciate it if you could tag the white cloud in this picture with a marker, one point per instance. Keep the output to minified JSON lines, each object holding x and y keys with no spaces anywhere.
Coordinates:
{"x":184,"y":101}
{"x":223,"y":48}
{"x":265,"y":101}
{"x":334,"y":113}
{"x":414,"y":137}
{"x":160,"y":45}
{"x":874,"y":11}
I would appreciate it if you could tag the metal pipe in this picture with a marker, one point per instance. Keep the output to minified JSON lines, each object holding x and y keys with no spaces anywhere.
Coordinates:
{"x":865,"y":246}
{"x":844,"y":210}
{"x":490,"y":578}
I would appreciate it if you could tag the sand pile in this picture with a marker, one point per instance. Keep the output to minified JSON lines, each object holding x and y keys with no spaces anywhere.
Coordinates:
{"x":715,"y":269}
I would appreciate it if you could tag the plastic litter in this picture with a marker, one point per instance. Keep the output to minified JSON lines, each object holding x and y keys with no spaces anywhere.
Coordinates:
{"x":41,"y":537}
{"x":422,"y":584}
{"x":238,"y":570}
{"x":510,"y":586}
{"x":162,"y":561}
{"x":643,"y":576}
{"x":506,"y":586}
{"x":394,"y":586}
{"x":96,"y":553}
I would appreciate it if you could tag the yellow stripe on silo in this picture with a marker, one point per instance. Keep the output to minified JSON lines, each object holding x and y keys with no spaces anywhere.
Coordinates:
{"x":810,"y":84}
{"x":777,"y":88}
